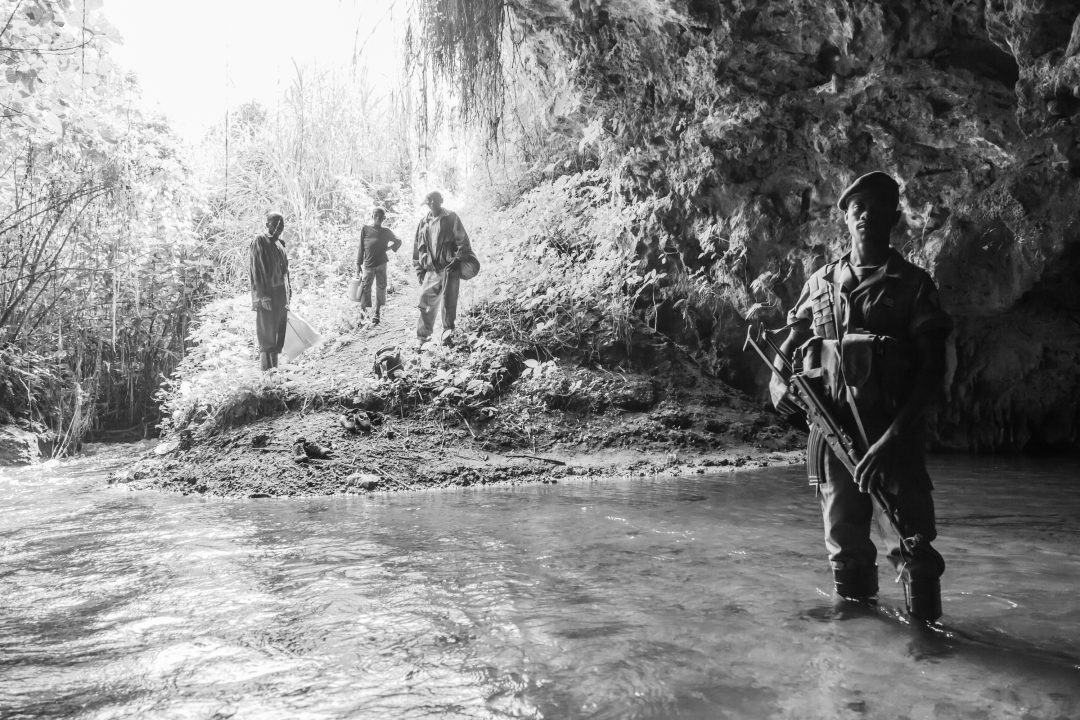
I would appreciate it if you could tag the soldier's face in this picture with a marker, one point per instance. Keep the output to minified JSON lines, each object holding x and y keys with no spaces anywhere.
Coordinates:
{"x":869,"y":218}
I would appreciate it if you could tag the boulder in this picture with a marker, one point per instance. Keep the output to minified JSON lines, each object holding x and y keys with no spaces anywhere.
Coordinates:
{"x":363,"y":481}
{"x":17,"y":447}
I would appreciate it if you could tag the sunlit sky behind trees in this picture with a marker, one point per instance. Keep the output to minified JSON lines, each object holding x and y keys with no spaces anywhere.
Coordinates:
{"x":197,"y":58}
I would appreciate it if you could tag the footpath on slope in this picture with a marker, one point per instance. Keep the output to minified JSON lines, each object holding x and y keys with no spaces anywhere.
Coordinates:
{"x":479,"y":412}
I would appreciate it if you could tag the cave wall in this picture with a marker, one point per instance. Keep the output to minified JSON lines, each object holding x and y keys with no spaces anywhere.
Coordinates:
{"x":973,"y":107}
{"x":767,"y":110}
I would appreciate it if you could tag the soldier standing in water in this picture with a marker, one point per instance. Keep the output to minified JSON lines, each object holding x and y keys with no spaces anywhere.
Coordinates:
{"x":873,"y":323}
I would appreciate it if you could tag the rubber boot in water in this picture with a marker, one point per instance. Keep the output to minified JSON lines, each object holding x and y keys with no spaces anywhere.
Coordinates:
{"x":921,"y":575}
{"x":858,"y":583}
{"x":264,"y":361}
{"x":923,"y":596}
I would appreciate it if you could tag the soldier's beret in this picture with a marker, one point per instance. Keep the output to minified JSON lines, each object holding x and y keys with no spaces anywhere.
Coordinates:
{"x":878,"y":183}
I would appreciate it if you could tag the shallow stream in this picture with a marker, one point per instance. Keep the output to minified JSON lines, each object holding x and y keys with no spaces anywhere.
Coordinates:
{"x":702,"y":597}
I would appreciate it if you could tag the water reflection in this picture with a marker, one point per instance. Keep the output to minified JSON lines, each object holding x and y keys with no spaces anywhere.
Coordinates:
{"x":694,"y":598}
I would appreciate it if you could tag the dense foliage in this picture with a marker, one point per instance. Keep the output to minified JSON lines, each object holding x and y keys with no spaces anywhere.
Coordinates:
{"x":603,"y":231}
{"x":114,"y":233}
{"x":97,"y":273}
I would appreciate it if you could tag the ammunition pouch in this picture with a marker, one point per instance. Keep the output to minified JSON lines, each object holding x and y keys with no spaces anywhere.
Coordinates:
{"x":820,"y":360}
{"x":876,"y":369}
{"x":871,"y":371}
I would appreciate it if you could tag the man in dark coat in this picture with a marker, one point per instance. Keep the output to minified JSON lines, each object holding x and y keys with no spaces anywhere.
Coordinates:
{"x":371,"y":261}
{"x":270,"y":290}
{"x":872,"y":322}
{"x":440,"y":244}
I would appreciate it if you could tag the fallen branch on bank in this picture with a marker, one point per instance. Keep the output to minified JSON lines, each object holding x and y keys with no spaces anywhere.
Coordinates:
{"x":537,"y":457}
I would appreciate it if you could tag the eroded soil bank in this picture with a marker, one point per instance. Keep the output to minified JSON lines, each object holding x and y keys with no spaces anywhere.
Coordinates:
{"x":475,"y":413}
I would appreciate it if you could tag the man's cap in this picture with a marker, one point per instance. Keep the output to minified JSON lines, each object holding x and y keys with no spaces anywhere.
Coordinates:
{"x":878,"y":183}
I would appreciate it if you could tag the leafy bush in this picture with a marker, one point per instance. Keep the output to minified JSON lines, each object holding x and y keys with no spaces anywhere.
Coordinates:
{"x":567,"y":274}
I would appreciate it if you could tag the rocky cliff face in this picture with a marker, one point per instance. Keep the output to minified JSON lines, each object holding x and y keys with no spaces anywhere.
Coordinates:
{"x":752,"y":115}
{"x":973,"y":107}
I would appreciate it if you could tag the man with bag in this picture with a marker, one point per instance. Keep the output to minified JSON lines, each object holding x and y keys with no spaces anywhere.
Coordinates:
{"x":371,"y":260}
{"x":442,"y":257}
{"x":871,"y":323}
{"x":270,"y":290}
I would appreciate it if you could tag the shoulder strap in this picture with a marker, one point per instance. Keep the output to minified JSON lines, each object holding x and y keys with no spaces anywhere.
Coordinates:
{"x":836,"y":304}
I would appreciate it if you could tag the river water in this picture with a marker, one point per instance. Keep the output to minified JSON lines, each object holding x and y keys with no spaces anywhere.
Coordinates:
{"x":703,"y":597}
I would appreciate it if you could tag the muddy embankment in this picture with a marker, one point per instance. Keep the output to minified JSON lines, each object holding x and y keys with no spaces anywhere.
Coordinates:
{"x":475,"y":413}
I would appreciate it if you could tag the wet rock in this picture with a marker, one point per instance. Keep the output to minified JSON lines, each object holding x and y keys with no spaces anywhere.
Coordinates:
{"x":17,"y":447}
{"x":363,"y":481}
{"x":121,"y":477}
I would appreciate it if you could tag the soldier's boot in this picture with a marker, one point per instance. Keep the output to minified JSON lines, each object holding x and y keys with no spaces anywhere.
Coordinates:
{"x":858,"y":583}
{"x":273,"y":360}
{"x":922,"y":581}
{"x":923,"y":598}
{"x":264,"y":361}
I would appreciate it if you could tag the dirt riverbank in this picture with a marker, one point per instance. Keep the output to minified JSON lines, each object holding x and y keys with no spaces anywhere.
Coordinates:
{"x":479,"y":412}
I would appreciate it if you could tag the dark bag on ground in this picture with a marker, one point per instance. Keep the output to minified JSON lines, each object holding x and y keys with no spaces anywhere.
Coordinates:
{"x":388,"y":362}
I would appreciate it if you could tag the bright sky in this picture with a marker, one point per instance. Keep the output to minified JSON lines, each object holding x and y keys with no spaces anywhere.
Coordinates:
{"x":195,"y":58}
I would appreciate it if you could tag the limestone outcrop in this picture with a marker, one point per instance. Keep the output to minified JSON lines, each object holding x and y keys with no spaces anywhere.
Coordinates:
{"x":749,"y":117}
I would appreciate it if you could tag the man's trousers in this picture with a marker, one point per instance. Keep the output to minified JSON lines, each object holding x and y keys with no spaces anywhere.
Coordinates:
{"x":437,"y":289}
{"x":373,"y":276}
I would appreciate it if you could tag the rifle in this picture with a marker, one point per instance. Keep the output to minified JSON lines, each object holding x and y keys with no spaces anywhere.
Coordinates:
{"x":818,"y":413}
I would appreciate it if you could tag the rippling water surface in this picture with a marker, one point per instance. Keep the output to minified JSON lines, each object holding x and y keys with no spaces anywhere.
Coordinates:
{"x":705,"y":597}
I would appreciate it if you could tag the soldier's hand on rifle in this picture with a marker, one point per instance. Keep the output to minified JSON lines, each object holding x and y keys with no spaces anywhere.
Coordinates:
{"x":870,"y":472}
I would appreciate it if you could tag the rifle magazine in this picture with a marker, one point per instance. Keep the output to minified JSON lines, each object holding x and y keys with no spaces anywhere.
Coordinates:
{"x":816,"y":456}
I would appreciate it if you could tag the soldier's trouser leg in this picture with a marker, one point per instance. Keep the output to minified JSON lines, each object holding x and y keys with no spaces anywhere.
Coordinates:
{"x":847,"y":515}
{"x":922,"y":572}
{"x":431,"y":290}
